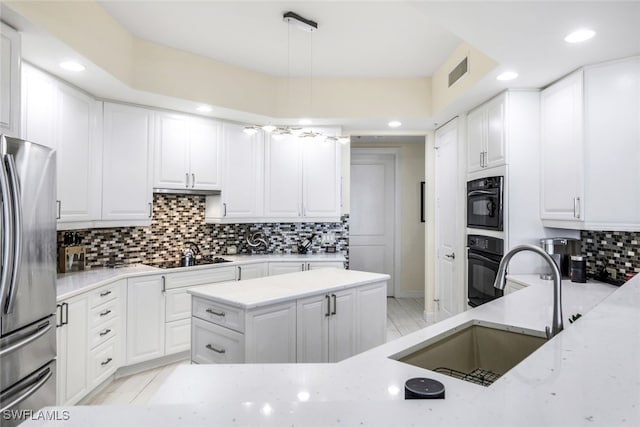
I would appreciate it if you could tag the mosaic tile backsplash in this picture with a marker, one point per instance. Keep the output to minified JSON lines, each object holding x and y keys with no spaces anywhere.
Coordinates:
{"x":178,"y":219}
{"x":617,"y":249}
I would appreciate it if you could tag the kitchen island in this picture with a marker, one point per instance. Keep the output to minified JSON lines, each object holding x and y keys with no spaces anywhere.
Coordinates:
{"x":323,"y":315}
{"x":585,"y":376}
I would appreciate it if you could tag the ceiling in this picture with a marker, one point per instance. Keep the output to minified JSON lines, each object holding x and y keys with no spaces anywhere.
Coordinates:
{"x":370,"y":39}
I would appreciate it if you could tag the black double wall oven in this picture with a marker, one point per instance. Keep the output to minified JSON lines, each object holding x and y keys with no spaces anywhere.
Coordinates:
{"x":485,"y":215}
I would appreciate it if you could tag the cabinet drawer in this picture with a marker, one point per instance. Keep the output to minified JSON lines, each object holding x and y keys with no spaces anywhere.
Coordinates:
{"x":101,"y":314}
{"x":103,"y":361}
{"x":220,"y":314}
{"x":200,"y":277}
{"x":103,"y":332}
{"x":178,"y":304}
{"x":104,"y":294}
{"x":214,"y":344}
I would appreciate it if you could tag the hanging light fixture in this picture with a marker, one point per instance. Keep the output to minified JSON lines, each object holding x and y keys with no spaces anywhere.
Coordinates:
{"x":279,"y":132}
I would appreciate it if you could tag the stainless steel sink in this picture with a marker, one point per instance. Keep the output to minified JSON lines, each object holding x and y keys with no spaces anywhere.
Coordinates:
{"x":476,"y":351}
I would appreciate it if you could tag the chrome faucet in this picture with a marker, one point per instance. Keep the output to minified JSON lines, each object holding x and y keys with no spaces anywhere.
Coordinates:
{"x":500,"y":283}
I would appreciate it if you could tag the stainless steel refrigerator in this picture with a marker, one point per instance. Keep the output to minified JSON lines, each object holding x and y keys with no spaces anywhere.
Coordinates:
{"x":27,"y":278}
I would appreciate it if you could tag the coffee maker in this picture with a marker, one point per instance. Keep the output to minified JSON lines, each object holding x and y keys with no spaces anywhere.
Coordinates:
{"x":561,"y":250}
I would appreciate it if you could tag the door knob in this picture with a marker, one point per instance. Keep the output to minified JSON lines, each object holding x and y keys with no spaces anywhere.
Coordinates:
{"x":452,"y":255}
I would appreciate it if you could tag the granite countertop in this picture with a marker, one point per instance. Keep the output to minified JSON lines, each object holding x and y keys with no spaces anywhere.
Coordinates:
{"x":585,"y":376}
{"x":254,"y":293}
{"x":74,"y":283}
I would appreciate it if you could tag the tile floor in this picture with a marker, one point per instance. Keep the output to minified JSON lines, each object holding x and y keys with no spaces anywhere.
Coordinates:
{"x":404,"y":315}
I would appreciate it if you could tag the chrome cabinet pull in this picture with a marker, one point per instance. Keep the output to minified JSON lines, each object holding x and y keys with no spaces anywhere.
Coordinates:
{"x":335,"y":304}
{"x":186,"y":180}
{"x":65,"y":321}
{"x":105,"y":332}
{"x":224,"y":205}
{"x":239,"y":273}
{"x":328,"y":313}
{"x":59,"y":205}
{"x":216,"y":313}
{"x":576,"y":207}
{"x":164,"y":284}
{"x":106,"y":362}
{"x":452,"y":255}
{"x":150,"y":210}
{"x":217,"y":350}
{"x":104,"y":313}
{"x":105,"y":293}
{"x":193,"y":180}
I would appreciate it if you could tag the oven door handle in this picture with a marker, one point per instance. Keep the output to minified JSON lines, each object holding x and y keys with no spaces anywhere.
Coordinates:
{"x":481,"y":193}
{"x":474,"y":255}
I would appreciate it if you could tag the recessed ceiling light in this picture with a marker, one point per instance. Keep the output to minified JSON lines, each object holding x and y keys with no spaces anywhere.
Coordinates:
{"x":394,"y":124}
{"x":507,"y":75}
{"x":268,"y":128}
{"x":580,"y":35}
{"x":72,"y":66}
{"x":204,"y":109}
{"x":304,"y":122}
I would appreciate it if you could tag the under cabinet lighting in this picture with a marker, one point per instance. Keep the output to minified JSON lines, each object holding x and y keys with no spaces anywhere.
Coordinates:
{"x":250,"y":130}
{"x":580,"y":35}
{"x":72,"y":66}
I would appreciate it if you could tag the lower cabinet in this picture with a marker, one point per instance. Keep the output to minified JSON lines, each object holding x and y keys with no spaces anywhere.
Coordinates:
{"x":327,"y":327}
{"x":145,"y":319}
{"x":72,"y":341}
{"x":284,"y":267}
{"x":252,"y":271}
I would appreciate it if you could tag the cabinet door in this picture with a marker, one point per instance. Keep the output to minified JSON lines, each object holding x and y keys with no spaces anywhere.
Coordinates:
{"x":313,"y":329}
{"x":75,"y":348}
{"x":495,"y":128}
{"x":325,"y":264}
{"x":126,"y":174}
{"x":342,"y":325}
{"x":271,"y":334}
{"x":283,"y":178}
{"x":145,"y":319}
{"x":321,"y":179}
{"x":177,"y":336}
{"x":252,"y":271}
{"x":171,"y":152}
{"x":38,"y":107}
{"x":243,"y":166}
{"x":9,"y":81}
{"x":475,"y":139}
{"x":78,"y":144}
{"x":285,"y":267}
{"x":562,"y":154}
{"x":371,"y":316}
{"x":204,"y":154}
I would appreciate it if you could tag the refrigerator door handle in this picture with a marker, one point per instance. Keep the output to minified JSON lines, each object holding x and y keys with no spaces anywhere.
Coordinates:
{"x":7,"y":227}
{"x":17,"y":223}
{"x":43,"y":377}
{"x":40,"y":332}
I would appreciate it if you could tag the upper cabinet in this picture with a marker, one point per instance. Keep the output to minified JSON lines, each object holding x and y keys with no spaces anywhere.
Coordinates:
{"x":302,"y":179}
{"x":9,"y":81}
{"x":68,"y":120}
{"x":242,"y":195}
{"x":486,"y":135}
{"x":126,"y":164}
{"x":187,"y":153}
{"x":591,"y":148}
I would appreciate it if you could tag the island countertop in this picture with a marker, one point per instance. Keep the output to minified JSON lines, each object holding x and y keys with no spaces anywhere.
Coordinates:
{"x":585,"y":376}
{"x":254,"y":293}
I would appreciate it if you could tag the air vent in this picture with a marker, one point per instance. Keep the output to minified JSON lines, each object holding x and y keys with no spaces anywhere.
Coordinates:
{"x":459,"y":71}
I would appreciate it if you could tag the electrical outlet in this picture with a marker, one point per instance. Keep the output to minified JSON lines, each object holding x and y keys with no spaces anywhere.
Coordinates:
{"x":612,"y":272}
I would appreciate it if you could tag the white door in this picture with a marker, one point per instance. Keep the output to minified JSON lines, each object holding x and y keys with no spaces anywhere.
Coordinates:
{"x":371,"y":240}
{"x":74,"y":356}
{"x":283,"y":178}
{"x":342,"y":325}
{"x":145,"y":319}
{"x":321,"y":179}
{"x":171,"y":152}
{"x":475,"y":139}
{"x":204,"y":155}
{"x":313,"y":329}
{"x":448,"y":293}
{"x":495,"y":155}
{"x":126,"y":177}
{"x":243,"y":165}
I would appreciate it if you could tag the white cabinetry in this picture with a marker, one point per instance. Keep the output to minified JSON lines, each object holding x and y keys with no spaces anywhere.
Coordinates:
{"x":283,"y":267}
{"x":252,"y":271}
{"x":187,"y":153}
{"x":126,"y":165}
{"x":302,"y":179}
{"x":72,"y":343}
{"x":9,"y":81}
{"x":590,"y":134}
{"x":271,"y":334}
{"x":371,"y":316}
{"x":486,"y":135}
{"x":326,"y":327}
{"x":243,"y":171}
{"x":63,"y":118}
{"x":145,"y":318}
